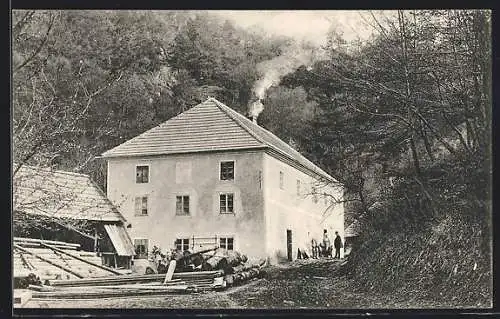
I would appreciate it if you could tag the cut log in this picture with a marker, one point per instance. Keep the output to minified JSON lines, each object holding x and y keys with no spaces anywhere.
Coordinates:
{"x":217,"y":262}
{"x":82,"y":259}
{"x":238,"y":268}
{"x":49,"y":261}
{"x":189,"y":255}
{"x":233,"y":258}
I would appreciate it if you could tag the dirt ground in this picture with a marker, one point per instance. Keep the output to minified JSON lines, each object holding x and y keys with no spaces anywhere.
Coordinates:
{"x":302,"y":284}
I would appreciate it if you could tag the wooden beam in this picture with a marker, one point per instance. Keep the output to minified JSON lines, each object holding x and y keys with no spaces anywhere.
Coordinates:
{"x":106,"y":294}
{"x":197,"y":275}
{"x":49,"y":261}
{"x":82,"y":259}
{"x":95,"y":238}
{"x":51,"y":242}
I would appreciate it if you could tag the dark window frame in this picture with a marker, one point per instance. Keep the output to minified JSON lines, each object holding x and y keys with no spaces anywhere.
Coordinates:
{"x":141,"y":208}
{"x":184,"y":209}
{"x":182,"y":244}
{"x":141,"y":174}
{"x":226,"y":171}
{"x":226,"y":203}
{"x":226,"y":243}
{"x":141,"y":253}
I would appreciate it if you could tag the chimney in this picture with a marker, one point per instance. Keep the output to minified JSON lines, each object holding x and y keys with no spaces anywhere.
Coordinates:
{"x":255,"y":108}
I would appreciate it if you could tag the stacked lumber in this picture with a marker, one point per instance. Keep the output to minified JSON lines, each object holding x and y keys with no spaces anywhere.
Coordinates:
{"x":55,"y":260}
{"x":128,"y":285}
{"x":211,"y":269}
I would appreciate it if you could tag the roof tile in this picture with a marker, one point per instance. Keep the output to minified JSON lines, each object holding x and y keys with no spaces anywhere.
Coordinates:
{"x":209,"y":126}
{"x":61,"y":194}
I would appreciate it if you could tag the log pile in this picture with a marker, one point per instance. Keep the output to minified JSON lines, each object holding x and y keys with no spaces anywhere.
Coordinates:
{"x":213,"y":269}
{"x":234,"y":265}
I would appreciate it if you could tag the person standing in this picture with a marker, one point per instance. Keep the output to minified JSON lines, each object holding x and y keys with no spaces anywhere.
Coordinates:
{"x":338,"y":244}
{"x":314,"y":248}
{"x":327,"y":250}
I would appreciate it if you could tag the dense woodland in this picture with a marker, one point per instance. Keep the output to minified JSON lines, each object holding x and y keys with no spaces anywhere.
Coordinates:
{"x":401,"y":119}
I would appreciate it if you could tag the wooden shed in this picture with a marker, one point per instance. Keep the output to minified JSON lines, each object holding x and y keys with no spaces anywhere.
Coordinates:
{"x":58,"y":205}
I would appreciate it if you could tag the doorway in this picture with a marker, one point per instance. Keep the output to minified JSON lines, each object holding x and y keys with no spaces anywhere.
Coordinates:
{"x":289,"y":244}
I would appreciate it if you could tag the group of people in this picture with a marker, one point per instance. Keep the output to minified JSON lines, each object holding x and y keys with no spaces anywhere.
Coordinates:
{"x":325,"y":248}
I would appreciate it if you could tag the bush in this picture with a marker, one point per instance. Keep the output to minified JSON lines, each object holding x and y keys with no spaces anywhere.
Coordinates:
{"x":433,"y":240}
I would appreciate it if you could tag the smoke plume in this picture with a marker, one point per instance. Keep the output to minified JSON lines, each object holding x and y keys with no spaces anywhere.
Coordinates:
{"x":272,"y":71}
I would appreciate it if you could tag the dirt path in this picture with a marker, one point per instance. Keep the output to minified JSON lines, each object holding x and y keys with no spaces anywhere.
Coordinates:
{"x":303,"y":284}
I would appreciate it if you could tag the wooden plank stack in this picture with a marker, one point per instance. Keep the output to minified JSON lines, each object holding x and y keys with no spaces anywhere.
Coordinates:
{"x":52,"y":260}
{"x":128,"y":285}
{"x":228,"y":268}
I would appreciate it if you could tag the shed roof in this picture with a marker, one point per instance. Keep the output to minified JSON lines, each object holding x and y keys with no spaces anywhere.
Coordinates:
{"x":209,"y":126}
{"x":61,"y":194}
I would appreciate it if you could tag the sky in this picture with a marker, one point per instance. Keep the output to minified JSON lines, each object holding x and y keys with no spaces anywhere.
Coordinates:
{"x":311,"y":25}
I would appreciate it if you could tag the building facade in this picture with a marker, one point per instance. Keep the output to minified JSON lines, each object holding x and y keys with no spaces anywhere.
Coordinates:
{"x":210,"y":176}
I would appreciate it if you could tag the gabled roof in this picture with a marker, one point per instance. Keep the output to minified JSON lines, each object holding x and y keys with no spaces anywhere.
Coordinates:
{"x":209,"y":126}
{"x":61,"y":194}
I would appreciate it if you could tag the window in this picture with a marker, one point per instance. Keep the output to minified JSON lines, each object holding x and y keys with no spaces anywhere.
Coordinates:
{"x":282,"y":177}
{"x":182,"y":244}
{"x":141,"y":206}
{"x":298,"y":187}
{"x":227,"y":243}
{"x":227,"y":171}
{"x":182,"y":205}
{"x":226,"y":203}
{"x":141,"y":248}
{"x":141,"y":174}
{"x":315,"y":195}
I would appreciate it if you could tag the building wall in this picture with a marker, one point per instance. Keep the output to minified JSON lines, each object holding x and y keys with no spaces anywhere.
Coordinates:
{"x":286,"y":209}
{"x":196,"y":175}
